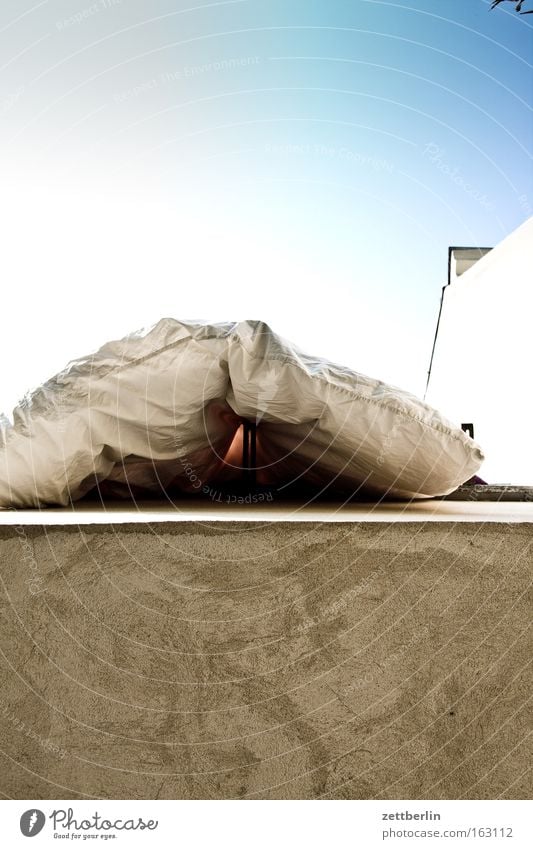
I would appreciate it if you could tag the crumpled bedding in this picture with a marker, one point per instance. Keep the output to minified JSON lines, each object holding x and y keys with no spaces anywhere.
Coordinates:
{"x":161,"y":410}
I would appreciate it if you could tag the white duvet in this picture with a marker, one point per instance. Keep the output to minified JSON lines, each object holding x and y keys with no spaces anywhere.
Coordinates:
{"x":161,"y":409}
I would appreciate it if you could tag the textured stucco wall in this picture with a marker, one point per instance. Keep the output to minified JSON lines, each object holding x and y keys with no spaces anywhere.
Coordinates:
{"x":277,"y":660}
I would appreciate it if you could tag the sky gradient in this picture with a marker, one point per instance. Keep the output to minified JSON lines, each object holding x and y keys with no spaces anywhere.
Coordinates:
{"x":306,"y":163}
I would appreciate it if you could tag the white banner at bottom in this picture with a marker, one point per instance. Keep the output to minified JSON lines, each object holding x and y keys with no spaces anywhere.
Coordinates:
{"x":267,"y":824}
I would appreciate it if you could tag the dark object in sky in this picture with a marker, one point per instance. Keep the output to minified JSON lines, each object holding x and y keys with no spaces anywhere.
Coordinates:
{"x":518,"y":6}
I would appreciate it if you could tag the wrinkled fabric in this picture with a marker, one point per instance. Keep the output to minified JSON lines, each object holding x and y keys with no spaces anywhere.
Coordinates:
{"x":161,"y":409}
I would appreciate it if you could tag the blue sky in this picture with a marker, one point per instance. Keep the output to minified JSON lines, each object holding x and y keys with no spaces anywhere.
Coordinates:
{"x":307,"y":163}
